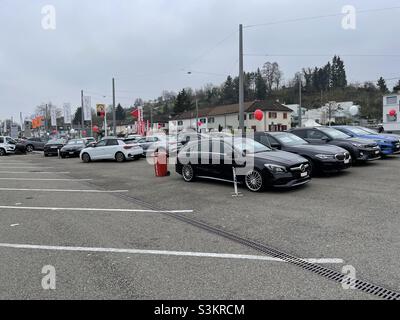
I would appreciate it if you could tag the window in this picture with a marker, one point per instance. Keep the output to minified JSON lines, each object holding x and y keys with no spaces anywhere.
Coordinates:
{"x":203,"y":120}
{"x":285,"y":115}
{"x":251,"y":116}
{"x":315,"y":134}
{"x":1,"y":140}
{"x":245,"y":117}
{"x":284,"y":127}
{"x":273,"y":115}
{"x":112,"y":142}
{"x":211,"y":120}
{"x":180,"y":123}
{"x":391,"y":100}
{"x":101,"y":143}
{"x":391,"y":118}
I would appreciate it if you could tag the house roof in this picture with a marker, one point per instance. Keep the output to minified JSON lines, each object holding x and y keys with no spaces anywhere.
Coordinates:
{"x":265,"y":105}
{"x":228,"y":109}
{"x":268,"y":105}
{"x":192,"y":114}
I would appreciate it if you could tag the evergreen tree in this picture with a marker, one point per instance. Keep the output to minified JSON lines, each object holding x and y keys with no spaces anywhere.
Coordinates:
{"x":382,"y":85}
{"x":261,"y":86}
{"x":228,"y":91}
{"x":78,"y":116}
{"x":183,"y":102}
{"x":396,"y":88}
{"x":120,"y":113}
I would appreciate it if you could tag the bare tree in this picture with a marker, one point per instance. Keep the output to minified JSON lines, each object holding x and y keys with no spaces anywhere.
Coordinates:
{"x":272,"y":75}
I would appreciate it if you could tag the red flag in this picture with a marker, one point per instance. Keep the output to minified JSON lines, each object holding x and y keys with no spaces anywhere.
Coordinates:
{"x":135,"y":113}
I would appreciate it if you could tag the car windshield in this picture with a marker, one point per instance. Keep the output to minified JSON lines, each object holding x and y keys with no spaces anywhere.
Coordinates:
{"x":289,"y":139}
{"x":369,"y":131}
{"x":56,"y":141}
{"x":334,"y":134}
{"x":249,"y":145}
{"x":75,"y":142}
{"x":358,"y":131}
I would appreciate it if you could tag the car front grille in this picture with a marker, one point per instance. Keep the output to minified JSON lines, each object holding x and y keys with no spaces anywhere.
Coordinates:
{"x":300,"y":168}
{"x":342,"y":156}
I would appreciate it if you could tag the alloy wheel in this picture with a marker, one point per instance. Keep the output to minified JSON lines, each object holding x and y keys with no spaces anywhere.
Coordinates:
{"x":120,"y":157}
{"x":254,"y":181}
{"x":188,"y":173}
{"x":29,"y":148}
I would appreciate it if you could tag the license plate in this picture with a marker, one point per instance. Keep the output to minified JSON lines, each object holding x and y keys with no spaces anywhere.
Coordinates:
{"x":346,"y":161}
{"x":71,"y":153}
{"x":304,"y":174}
{"x":53,"y":147}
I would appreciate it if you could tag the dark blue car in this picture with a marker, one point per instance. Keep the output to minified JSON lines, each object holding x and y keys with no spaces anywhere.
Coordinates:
{"x":389,"y":145}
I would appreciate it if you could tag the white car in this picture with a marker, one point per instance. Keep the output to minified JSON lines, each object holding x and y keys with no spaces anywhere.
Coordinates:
{"x":7,"y":145}
{"x":109,"y":149}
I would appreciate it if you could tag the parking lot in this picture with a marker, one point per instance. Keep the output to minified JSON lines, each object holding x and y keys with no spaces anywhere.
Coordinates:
{"x":107,"y":229}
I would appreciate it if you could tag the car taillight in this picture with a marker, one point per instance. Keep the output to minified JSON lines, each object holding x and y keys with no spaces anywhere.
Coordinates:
{"x":128,"y":147}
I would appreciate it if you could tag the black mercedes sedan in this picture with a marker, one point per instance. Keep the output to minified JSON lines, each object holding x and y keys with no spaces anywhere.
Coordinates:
{"x":361,"y":150}
{"x":256,"y":166}
{"x":322,"y":158}
{"x":51,"y":148}
{"x":73,"y":148}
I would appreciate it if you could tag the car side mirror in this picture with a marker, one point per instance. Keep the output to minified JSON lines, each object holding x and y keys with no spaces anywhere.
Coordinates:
{"x":326,"y":139}
{"x":276,"y":145}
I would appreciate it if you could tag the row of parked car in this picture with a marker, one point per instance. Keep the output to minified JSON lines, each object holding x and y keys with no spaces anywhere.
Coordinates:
{"x":283,"y":159}
{"x":279,"y":159}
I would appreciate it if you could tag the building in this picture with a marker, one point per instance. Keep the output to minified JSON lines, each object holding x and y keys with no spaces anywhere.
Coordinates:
{"x":391,"y":109}
{"x":277,"y":117}
{"x":295,"y":113}
{"x":333,"y":112}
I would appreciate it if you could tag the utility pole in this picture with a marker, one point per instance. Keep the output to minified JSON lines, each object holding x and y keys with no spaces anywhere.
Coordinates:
{"x":82,"y":114}
{"x":197,"y":115}
{"x":151,"y":117}
{"x":45,"y":120}
{"x":241,"y":80}
{"x":300,"y":112}
{"x":113,"y":110}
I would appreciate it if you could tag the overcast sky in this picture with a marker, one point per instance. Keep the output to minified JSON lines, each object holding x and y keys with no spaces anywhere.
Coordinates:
{"x":149,"y":45}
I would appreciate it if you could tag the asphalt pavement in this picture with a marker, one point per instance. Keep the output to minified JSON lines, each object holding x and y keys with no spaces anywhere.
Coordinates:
{"x":67,"y":214}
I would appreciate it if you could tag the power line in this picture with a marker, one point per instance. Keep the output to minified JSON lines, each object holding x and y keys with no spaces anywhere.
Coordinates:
{"x":318,"y":17}
{"x":210,"y":50}
{"x":320,"y":55}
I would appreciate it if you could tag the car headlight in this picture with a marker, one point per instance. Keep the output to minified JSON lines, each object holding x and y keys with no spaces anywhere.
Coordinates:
{"x":325,"y":156}
{"x":274,"y":168}
{"x":358,"y":145}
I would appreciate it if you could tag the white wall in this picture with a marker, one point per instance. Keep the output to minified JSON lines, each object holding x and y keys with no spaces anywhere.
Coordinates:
{"x":391,"y":125}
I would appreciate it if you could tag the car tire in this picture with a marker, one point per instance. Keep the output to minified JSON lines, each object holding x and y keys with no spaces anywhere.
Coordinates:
{"x":137,"y":157}
{"x":120,"y":157}
{"x":46,"y":155}
{"x":313,"y":168}
{"x":2,"y":152}
{"x":254,"y":181}
{"x":29,"y":148}
{"x":86,"y":158}
{"x":188,"y":173}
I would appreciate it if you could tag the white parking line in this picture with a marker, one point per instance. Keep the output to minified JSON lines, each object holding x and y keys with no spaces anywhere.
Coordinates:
{"x":63,"y":190}
{"x":25,"y":172}
{"x":163,"y":252}
{"x":41,"y":179}
{"x":4,"y":167}
{"x":94,"y":209}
